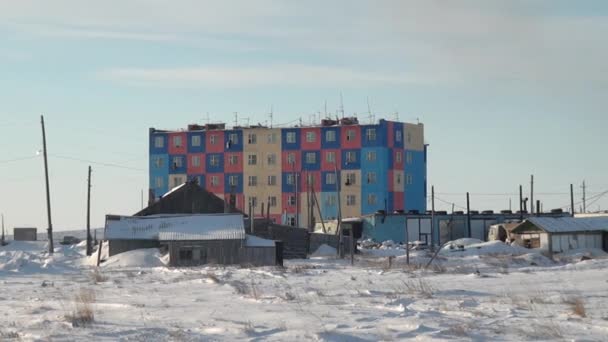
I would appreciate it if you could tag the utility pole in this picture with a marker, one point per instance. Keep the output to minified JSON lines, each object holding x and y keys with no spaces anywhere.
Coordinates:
{"x":468,"y":215}
{"x":532,"y":195}
{"x":432,"y":216}
{"x":584,"y":197}
{"x":2,"y":243}
{"x":48,"y":191}
{"x":521,"y":204}
{"x":89,"y":246}
{"x":572,"y":200}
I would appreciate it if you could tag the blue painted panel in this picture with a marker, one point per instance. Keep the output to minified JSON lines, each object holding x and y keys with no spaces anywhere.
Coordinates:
{"x":328,"y":187}
{"x":160,"y":170}
{"x":325,"y":144}
{"x":351,"y":165}
{"x":311,"y":166}
{"x":329,"y":205}
{"x":367,"y":140}
{"x":159,"y":150}
{"x":175,"y":166}
{"x":239,"y":187}
{"x":287,"y":188}
{"x":378,"y":228}
{"x":367,"y":208}
{"x":219,"y":168}
{"x":380,"y":167}
{"x":292,"y":145}
{"x":415,"y":198}
{"x":230,"y":145}
{"x":196,"y":149}
{"x":398,"y":127}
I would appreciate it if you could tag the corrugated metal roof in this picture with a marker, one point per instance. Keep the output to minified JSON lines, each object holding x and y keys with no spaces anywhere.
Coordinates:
{"x":570,"y":224}
{"x":176,"y":227}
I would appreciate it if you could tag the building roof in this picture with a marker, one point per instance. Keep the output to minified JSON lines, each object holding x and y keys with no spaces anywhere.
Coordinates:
{"x":176,"y":227}
{"x":564,"y":224}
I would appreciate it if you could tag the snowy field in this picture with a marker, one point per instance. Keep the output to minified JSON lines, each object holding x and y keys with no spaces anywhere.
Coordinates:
{"x":488,"y":292}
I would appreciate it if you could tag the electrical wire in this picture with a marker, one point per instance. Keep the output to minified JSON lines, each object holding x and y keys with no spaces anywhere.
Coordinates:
{"x":97,"y":163}
{"x":17,"y":159}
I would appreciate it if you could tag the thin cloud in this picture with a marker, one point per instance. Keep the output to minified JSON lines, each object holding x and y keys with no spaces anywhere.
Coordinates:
{"x":243,"y":77}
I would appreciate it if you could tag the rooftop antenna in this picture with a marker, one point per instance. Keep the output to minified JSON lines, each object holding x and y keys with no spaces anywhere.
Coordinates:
{"x":326,"y":108}
{"x":341,"y":105}
{"x":396,"y":116}
{"x":371,"y":116}
{"x":271,"y":115}
{"x":300,"y":121}
{"x":236,"y":119}
{"x":207,"y":119}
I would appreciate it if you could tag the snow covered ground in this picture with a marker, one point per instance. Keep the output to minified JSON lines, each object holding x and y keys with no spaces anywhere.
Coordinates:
{"x":489,"y":291}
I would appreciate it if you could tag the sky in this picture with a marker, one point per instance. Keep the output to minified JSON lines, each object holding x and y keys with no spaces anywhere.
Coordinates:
{"x":505,"y":89}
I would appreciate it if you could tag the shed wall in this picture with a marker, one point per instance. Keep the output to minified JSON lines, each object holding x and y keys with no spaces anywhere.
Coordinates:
{"x":25,"y":234}
{"x":220,"y":252}
{"x":121,"y":246}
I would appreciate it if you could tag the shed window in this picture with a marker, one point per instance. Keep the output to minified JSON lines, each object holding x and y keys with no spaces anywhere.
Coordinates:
{"x":185,"y":254}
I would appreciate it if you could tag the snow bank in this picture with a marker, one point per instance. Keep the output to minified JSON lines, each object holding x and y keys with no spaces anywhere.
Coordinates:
{"x":484,"y":248}
{"x":466,"y":242}
{"x":576,"y":255}
{"x":325,"y":250}
{"x":149,"y":257}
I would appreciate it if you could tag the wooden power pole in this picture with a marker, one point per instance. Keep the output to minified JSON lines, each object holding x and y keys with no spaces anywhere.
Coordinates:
{"x":89,"y":247}
{"x":48,"y":192}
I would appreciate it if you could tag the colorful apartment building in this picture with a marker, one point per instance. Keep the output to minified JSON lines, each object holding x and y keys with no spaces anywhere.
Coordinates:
{"x":298,"y":171}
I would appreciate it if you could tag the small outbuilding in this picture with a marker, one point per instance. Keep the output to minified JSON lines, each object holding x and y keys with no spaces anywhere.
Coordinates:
{"x":25,"y":234}
{"x":560,"y":234}
{"x":191,"y":239}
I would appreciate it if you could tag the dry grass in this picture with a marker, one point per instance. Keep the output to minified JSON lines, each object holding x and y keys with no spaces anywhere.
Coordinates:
{"x":577,"y":304}
{"x":460,"y":330}
{"x":83,"y":313}
{"x":418,"y":286}
{"x":98,"y":277}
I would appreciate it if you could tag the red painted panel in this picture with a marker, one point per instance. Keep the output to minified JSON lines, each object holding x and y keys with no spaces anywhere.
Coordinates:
{"x":313,"y":145}
{"x":219,"y":188}
{"x":398,"y":200}
{"x":285,"y":166}
{"x":214,"y":142}
{"x":200,"y":169}
{"x":354,"y":142}
{"x":233,"y":168}
{"x":277,"y":218}
{"x":391,"y":180}
{"x":286,"y":208}
{"x":178,"y":143}
{"x":330,"y":166}
{"x":391,"y":134}
{"x":317,"y":181}
{"x":398,"y":165}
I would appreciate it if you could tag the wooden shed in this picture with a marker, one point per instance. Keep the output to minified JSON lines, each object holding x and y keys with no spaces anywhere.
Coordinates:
{"x":25,"y":234}
{"x":560,"y":234}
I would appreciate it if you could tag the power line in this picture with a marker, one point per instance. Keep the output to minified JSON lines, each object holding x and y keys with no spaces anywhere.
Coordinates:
{"x":97,"y":163}
{"x":17,"y":159}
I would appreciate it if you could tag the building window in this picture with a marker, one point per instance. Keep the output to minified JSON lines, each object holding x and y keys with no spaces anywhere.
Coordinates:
{"x":311,"y":137}
{"x":291,"y":158}
{"x":408,"y":136}
{"x":272,"y":201}
{"x":159,"y":182}
{"x":272,"y":138}
{"x":233,"y":180}
{"x":330,"y":200}
{"x":214,"y":160}
{"x":159,"y":142}
{"x":371,"y":199}
{"x":351,"y":157}
{"x":253,"y":181}
{"x":311,"y":158}
{"x":158,"y":161}
{"x":409,"y":180}
{"x":290,"y":179}
{"x":252,"y":138}
{"x":408,"y":157}
{"x":330,"y":178}
{"x":330,"y":135}
{"x":252,"y":159}
{"x":371,"y":178}
{"x":233,"y":139}
{"x":177,"y":162}
{"x":196,"y":161}
{"x":196,"y":140}
{"x":253,"y":201}
{"x":370,"y":134}
{"x":291,"y":200}
{"x":398,"y":157}
{"x":398,"y":178}
{"x":351,"y":200}
{"x":310,"y":179}
{"x":272,"y":159}
{"x":291,"y":220}
{"x":177,"y":180}
{"x":233,"y":159}
{"x":398,"y":134}
{"x":213,"y":139}
{"x":177,"y":141}
{"x":291,"y":137}
{"x":351,"y":178}
{"x":330,"y":157}
{"x":272,"y":180}
{"x":215,"y":180}
{"x":371,"y":155}
{"x":350,"y":135}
